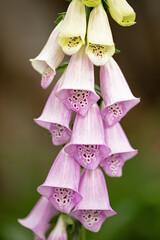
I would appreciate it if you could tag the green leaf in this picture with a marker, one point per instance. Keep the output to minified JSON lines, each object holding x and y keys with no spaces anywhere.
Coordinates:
{"x":60,"y":17}
{"x":62,"y":67}
{"x":117,"y":51}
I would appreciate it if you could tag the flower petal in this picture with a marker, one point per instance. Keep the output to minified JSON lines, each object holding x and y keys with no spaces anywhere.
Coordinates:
{"x":77,"y":90}
{"x":116,"y":93}
{"x":49,"y":58}
{"x":39,"y":218}
{"x":94,"y":208}
{"x":87,"y":144}
{"x":72,"y":35}
{"x":56,"y":118}
{"x":100,"y":46}
{"x":62,"y":182}
{"x":121,"y":12}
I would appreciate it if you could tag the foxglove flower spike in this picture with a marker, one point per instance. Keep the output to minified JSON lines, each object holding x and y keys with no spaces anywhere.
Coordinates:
{"x":56,"y":118}
{"x":39,"y":218}
{"x":116,"y":93}
{"x":94,"y":208}
{"x":72,"y":35}
{"x":49,"y":58}
{"x":77,"y":90}
{"x":61,"y":184}
{"x":87,"y":144}
{"x":100,"y":46}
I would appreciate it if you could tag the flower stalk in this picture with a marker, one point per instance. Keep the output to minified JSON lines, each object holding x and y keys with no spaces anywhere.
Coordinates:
{"x":75,"y":186}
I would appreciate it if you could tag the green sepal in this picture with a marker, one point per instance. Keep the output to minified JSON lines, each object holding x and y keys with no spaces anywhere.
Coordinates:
{"x":62,"y":67}
{"x":60,"y":17}
{"x":117,"y":51}
{"x":68,"y":220}
{"x":75,"y":232}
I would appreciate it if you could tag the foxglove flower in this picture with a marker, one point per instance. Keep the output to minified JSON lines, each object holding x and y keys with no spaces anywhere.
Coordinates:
{"x":94,"y":208}
{"x":100,"y":46}
{"x":87,"y":144}
{"x":77,"y":90}
{"x":56,"y":118}
{"x":116,"y":93}
{"x":121,"y":150}
{"x":39,"y":218}
{"x":61,"y":184}
{"x":49,"y":58}
{"x":72,"y":35}
{"x":91,"y":3}
{"x":121,"y":12}
{"x":59,"y":232}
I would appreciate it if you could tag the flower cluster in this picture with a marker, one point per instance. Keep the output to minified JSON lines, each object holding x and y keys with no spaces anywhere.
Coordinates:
{"x":75,"y":184}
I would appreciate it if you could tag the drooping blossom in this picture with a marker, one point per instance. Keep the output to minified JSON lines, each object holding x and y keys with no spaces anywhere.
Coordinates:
{"x":77,"y":90}
{"x":121,"y":150}
{"x":87,"y":144}
{"x":56,"y":118}
{"x":100,"y":46}
{"x":72,"y":35}
{"x":59,"y":232}
{"x":49,"y":58}
{"x":91,"y":3}
{"x":121,"y":12}
{"x":116,"y":93}
{"x":61,"y":184}
{"x":38,"y":219}
{"x":94,"y":208}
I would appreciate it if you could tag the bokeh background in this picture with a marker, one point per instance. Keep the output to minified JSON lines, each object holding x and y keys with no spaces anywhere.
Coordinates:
{"x":26,"y":150}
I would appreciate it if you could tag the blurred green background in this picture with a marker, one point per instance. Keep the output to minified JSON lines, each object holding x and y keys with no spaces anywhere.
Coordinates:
{"x":26,"y":150}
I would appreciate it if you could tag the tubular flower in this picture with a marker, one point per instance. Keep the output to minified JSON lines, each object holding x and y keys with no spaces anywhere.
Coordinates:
{"x":100,"y":46}
{"x":56,"y":118}
{"x":87,"y":144}
{"x":77,"y":90}
{"x":72,"y":35}
{"x":91,"y":3}
{"x":121,"y":12}
{"x":94,"y":208}
{"x":59,"y":231}
{"x":49,"y":58}
{"x":61,"y":184}
{"x":39,"y":218}
{"x":116,"y":93}
{"x":121,"y":150}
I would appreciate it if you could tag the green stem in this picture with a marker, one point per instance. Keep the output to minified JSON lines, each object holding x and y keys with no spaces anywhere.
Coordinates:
{"x":83,"y":233}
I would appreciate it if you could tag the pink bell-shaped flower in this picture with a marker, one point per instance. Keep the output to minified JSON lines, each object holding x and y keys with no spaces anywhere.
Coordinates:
{"x":39,"y":218}
{"x":94,"y":208}
{"x":62,"y":182}
{"x":121,"y":150}
{"x":59,"y":232}
{"x":56,"y":118}
{"x":116,"y":93}
{"x":87,"y":144}
{"x":77,"y":90}
{"x":49,"y":58}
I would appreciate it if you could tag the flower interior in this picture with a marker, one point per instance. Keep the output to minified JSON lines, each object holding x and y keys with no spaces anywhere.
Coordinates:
{"x":47,"y":76}
{"x":113,"y":165}
{"x":63,"y":199}
{"x":60,"y":134}
{"x":89,"y":156}
{"x":113,"y":113}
